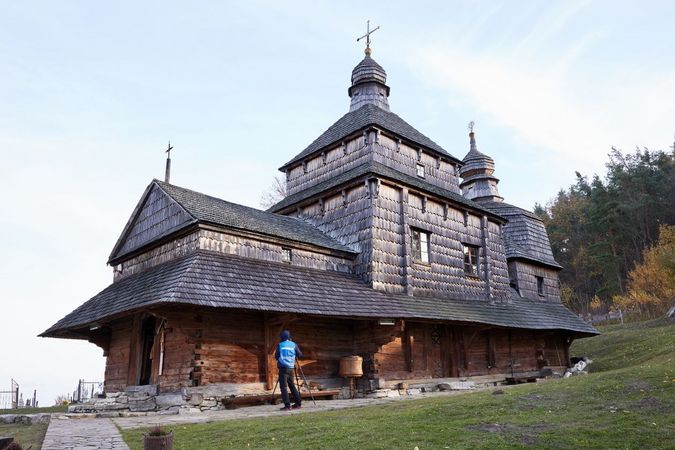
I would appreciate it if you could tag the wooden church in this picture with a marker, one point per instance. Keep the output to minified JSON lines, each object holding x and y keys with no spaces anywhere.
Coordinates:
{"x":386,"y":246}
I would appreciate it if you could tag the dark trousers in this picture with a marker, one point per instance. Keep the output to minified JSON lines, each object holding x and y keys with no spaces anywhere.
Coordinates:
{"x":286,"y":381}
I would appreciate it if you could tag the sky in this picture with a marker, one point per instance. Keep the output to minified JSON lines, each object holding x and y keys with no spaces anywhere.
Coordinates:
{"x":91,"y":93}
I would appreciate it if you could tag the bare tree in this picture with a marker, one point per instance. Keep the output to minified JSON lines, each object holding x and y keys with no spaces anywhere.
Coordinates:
{"x":274,"y":193}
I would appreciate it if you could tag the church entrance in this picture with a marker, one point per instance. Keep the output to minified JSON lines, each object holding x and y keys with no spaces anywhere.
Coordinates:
{"x":147,"y":347}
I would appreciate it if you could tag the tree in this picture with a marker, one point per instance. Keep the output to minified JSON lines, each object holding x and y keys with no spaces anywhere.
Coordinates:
{"x":274,"y":193}
{"x":651,"y":284}
{"x":599,"y":228}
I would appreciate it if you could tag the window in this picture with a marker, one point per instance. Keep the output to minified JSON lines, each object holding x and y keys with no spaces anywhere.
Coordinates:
{"x":420,"y":245}
{"x":471,"y":260}
{"x":420,"y":170}
{"x":540,"y":285}
{"x":286,"y":255}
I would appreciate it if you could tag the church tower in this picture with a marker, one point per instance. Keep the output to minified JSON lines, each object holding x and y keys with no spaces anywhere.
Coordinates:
{"x":479,"y":183}
{"x":391,"y":194}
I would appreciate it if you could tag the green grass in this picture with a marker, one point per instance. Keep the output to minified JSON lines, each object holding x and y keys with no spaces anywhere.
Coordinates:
{"x":47,"y":409}
{"x":628,"y":401}
{"x":26,"y":435}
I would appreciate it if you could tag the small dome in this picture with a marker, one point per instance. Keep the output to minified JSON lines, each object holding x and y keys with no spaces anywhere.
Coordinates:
{"x":368,"y":85}
{"x":368,"y":70}
{"x":478,"y":182}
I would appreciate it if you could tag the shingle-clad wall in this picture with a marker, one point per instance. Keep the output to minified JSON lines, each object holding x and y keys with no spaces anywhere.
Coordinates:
{"x":396,"y":211}
{"x":525,"y":274}
{"x":346,"y":217}
{"x":372,"y":146}
{"x":252,"y":248}
{"x":405,"y":158}
{"x":159,"y":216}
{"x":230,"y":244}
{"x":158,"y":255}
{"x":334,"y":161}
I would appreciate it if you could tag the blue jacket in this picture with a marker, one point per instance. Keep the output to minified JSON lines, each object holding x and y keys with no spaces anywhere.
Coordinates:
{"x":286,"y":353}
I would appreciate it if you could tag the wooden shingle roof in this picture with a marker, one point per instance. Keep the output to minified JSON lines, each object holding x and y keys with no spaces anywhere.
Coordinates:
{"x":368,"y":115}
{"x":210,"y":279}
{"x":377,"y":168}
{"x":524,"y":234}
{"x":202,"y":208}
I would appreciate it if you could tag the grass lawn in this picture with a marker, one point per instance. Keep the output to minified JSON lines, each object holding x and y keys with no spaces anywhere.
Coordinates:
{"x":628,"y":401}
{"x":48,"y":409}
{"x":28,"y":435}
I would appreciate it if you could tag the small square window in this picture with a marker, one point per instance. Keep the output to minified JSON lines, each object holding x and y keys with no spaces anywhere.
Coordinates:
{"x":420,"y":245}
{"x":420,"y":170}
{"x":540,"y":285}
{"x":286,"y":255}
{"x":471,"y":259}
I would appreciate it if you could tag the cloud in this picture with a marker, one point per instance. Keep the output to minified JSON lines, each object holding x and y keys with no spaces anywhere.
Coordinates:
{"x":545,"y":91}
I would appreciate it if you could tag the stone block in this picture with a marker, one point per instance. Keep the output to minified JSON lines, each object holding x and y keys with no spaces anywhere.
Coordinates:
{"x":457,"y":386}
{"x":413,"y":391}
{"x":140,"y":391}
{"x":143,"y":405}
{"x":7,"y":418}
{"x":165,"y":401}
{"x":393,"y":393}
{"x":208,"y":403}
{"x":380,"y":393}
{"x":196,"y":399}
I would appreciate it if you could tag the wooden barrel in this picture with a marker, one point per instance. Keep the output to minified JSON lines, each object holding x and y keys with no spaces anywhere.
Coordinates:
{"x":351,"y":366}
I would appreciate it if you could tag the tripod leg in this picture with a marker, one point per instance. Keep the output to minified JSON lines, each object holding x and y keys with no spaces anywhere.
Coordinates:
{"x":306,"y":383}
{"x":272,"y":401}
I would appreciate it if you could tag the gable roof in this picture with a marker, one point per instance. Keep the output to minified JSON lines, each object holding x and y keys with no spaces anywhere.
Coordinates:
{"x":363,"y":117}
{"x":377,"y":168}
{"x":202,"y":208}
{"x":210,"y":279}
{"x":524,"y":234}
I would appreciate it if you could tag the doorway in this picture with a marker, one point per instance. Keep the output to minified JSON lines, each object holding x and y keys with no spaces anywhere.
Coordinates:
{"x":147,"y":350}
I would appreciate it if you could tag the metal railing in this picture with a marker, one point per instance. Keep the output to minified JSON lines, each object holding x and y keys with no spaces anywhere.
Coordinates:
{"x":10,"y":399}
{"x":86,"y":390}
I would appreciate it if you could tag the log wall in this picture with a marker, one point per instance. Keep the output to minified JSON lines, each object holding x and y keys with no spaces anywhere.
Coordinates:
{"x":204,"y":347}
{"x":117,"y":361}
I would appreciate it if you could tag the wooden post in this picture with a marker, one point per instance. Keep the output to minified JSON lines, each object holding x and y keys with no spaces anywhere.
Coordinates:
{"x":269,"y":376}
{"x":408,"y":342}
{"x":407,"y":277}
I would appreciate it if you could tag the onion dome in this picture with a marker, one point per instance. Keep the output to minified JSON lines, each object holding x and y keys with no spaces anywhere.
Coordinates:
{"x":368,"y":84}
{"x":478,"y":183}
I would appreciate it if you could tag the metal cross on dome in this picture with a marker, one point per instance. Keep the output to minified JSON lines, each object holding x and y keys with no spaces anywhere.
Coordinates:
{"x":367,"y":35}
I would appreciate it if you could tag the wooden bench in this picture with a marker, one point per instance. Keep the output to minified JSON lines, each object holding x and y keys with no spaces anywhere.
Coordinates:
{"x":521,"y":379}
{"x":262,"y":399}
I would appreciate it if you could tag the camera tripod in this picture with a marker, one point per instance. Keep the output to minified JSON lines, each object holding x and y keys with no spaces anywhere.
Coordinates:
{"x":297,"y":382}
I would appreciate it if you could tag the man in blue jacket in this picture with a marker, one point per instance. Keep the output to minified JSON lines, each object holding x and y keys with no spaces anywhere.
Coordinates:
{"x":285,"y":354}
